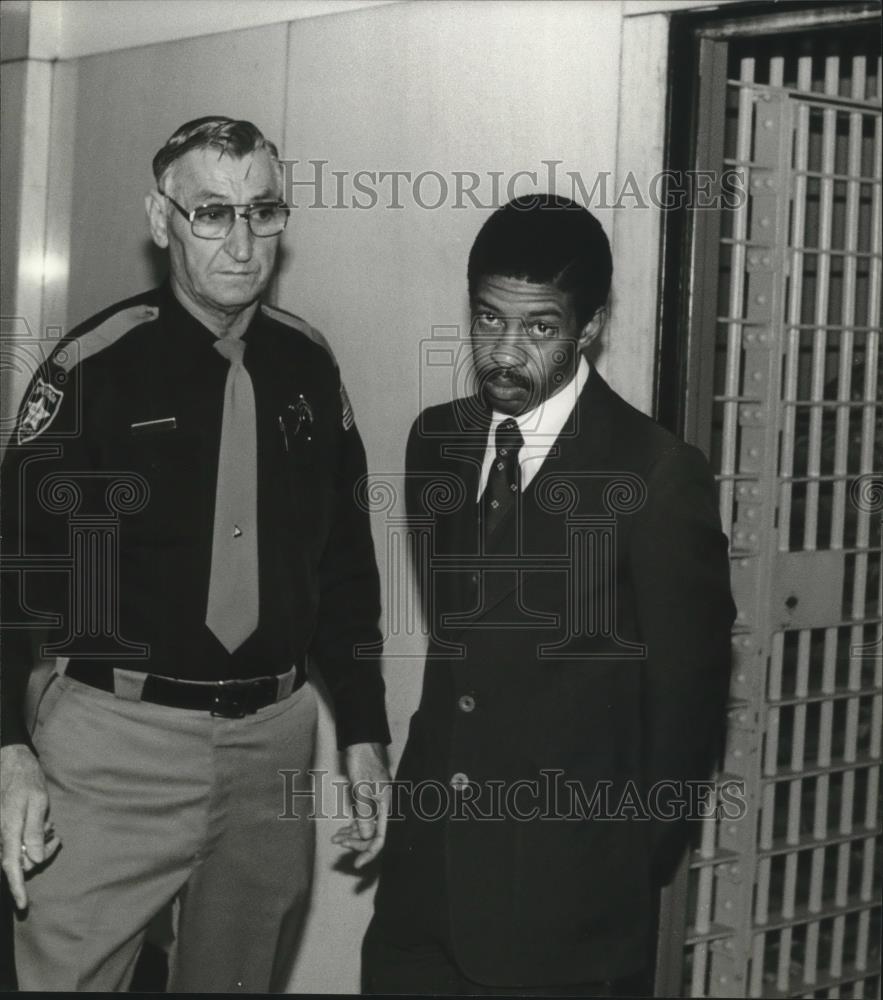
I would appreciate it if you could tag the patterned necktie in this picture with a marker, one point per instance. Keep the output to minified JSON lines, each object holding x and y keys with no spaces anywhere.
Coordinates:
{"x":504,"y":480}
{"x":232,"y":612}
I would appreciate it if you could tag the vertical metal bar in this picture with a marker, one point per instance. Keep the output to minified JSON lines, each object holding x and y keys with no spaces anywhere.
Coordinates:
{"x":758,"y":950}
{"x":865,"y":892}
{"x":765,"y":266}
{"x":774,"y":695}
{"x":699,"y":413}
{"x":700,"y":969}
{"x":814,"y":470}
{"x":703,"y":901}
{"x":850,"y":265}
{"x":795,"y":799}
{"x":829,"y":136}
{"x":863,"y":529}
{"x":705,"y":253}
{"x":863,"y":515}
{"x":863,"y":538}
{"x":841,"y":892}
{"x":783,"y":970}
{"x":847,"y":316}
{"x":672,"y":933}
{"x":870,"y":822}
{"x":792,"y":355}
{"x":767,"y":813}
{"x":735,"y":309}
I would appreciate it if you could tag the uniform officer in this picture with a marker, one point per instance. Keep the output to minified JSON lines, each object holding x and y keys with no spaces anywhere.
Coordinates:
{"x":179,"y":509}
{"x":579,"y":611}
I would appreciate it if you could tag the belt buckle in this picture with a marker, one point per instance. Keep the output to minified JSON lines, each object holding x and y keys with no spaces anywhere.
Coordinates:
{"x":229,"y":700}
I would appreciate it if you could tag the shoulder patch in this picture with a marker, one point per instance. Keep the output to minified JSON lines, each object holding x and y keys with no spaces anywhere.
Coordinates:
{"x":95,"y":340}
{"x":38,"y":411}
{"x":301,"y":325}
{"x":348,"y":416}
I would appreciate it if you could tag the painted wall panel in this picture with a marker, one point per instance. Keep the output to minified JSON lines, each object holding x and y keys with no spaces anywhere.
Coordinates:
{"x":128,"y":105}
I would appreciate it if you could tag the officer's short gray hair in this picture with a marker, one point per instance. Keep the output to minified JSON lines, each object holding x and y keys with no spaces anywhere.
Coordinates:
{"x":229,"y":136}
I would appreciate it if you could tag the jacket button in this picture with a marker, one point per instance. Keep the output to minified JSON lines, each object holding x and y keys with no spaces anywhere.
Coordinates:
{"x":473,"y":579}
{"x":466,"y":703}
{"x":459,"y":780}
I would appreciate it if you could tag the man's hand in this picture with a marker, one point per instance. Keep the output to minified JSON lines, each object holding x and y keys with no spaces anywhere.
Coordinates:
{"x":371,"y":791}
{"x":26,"y":838}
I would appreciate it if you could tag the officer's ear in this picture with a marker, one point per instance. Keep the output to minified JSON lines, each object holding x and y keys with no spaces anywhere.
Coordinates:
{"x":592,"y":330}
{"x":158,"y":217}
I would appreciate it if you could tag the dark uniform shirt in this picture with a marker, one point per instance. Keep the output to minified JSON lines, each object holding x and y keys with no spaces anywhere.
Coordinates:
{"x":109,"y":492}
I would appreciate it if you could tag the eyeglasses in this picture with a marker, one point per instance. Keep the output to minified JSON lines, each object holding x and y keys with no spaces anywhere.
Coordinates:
{"x":214,"y":222}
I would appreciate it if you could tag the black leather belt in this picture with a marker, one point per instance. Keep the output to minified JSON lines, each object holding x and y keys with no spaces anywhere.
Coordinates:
{"x":228,"y":699}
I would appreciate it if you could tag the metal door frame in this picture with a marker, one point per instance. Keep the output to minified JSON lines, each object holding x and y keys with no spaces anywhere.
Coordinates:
{"x":686,"y":359}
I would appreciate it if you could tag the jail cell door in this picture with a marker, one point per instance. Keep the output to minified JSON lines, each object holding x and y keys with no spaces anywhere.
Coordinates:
{"x":784,"y":396}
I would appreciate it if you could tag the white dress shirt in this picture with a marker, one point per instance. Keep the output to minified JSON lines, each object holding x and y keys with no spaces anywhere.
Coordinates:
{"x":539,"y":427}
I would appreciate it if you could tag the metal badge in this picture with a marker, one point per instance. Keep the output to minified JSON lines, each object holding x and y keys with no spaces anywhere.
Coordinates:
{"x":299,"y":416}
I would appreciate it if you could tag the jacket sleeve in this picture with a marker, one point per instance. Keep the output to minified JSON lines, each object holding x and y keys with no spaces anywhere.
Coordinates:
{"x":40,"y":477}
{"x":347,"y":642}
{"x":680,"y":573}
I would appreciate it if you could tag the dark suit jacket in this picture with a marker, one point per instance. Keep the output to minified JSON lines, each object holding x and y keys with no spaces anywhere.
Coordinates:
{"x":599,"y":655}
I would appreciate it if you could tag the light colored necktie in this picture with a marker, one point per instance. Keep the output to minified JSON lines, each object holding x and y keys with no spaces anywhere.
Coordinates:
{"x":232,"y":612}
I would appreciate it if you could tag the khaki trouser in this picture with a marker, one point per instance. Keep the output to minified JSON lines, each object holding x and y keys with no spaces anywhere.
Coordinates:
{"x":152,"y":804}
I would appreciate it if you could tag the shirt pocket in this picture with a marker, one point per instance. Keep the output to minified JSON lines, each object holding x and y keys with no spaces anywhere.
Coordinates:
{"x":174,"y":466}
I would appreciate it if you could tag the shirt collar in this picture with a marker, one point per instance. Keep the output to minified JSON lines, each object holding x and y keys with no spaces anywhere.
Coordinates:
{"x":183,"y":319}
{"x":546,"y":419}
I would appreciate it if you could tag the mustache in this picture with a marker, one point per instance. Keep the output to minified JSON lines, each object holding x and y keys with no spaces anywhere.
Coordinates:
{"x":513,"y":375}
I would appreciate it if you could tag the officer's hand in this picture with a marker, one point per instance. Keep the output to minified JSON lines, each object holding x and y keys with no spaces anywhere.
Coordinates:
{"x":370,"y":787}
{"x":26,"y":837}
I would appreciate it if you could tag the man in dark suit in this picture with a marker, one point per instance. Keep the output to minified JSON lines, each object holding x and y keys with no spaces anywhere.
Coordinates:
{"x":577,"y":593}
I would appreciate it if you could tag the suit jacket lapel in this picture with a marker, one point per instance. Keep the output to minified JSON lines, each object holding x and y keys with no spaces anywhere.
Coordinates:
{"x":462,"y":455}
{"x":585,"y":439}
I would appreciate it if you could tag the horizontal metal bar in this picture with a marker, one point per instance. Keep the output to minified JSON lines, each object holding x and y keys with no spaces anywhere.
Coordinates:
{"x":834,"y":175}
{"x":803,"y":915}
{"x":835,"y":252}
{"x":744,"y":552}
{"x":780,"y":847}
{"x":833,"y":327}
{"x":833,"y":404}
{"x":715,"y":932}
{"x":754,"y":400}
{"x":828,"y":477}
{"x":808,"y":842}
{"x":830,"y":403}
{"x":721,"y":856}
{"x":789,"y":327}
{"x":843,"y":622}
{"x":816,"y":771}
{"x":734,"y":161}
{"x":809,"y":97}
{"x":840,"y":694}
{"x":801,"y":19}
{"x":798,"y":987}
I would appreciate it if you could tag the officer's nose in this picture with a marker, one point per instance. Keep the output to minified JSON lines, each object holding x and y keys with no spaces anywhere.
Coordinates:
{"x":240,"y":240}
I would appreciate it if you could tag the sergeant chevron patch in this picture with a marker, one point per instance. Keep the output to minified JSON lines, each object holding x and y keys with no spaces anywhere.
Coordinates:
{"x":348,"y":417}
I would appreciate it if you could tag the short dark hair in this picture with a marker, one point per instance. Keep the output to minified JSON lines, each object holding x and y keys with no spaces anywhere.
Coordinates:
{"x":227,"y":135}
{"x":547,"y":239}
